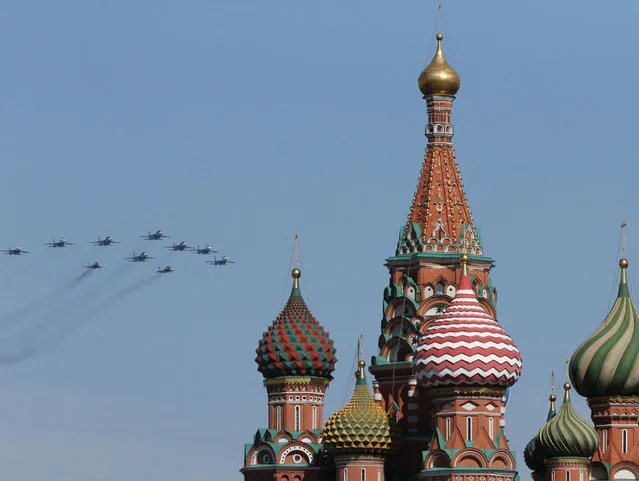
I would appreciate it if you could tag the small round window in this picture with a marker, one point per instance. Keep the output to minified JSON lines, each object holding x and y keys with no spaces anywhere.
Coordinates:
{"x":297,"y":459}
{"x":266,"y":459}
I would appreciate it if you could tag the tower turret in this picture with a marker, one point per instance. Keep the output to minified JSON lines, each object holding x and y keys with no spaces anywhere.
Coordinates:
{"x":605,"y":369}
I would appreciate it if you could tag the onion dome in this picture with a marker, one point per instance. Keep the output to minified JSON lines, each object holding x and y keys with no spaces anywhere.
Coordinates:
{"x":296,"y":344}
{"x":567,"y":434}
{"x":439,"y":77}
{"x":465,"y":346}
{"x":607,"y":363}
{"x":534,"y":454}
{"x":360,"y":427}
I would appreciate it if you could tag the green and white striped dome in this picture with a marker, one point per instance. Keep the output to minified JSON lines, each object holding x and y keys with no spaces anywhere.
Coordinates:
{"x":566,"y":434}
{"x":607,"y":363}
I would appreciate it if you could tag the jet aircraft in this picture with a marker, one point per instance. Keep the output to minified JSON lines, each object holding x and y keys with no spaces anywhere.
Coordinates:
{"x":220,"y":262}
{"x":165,"y":270}
{"x":157,"y":235}
{"x":182,"y":246}
{"x":107,"y":241}
{"x":206,"y":250}
{"x":16,"y":251}
{"x":94,"y":266}
{"x":62,"y":242}
{"x":142,"y":257}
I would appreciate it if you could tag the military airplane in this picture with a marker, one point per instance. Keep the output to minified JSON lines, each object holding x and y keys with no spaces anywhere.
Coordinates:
{"x":165,"y":270}
{"x":107,"y":241}
{"x":206,"y":250}
{"x":142,"y":257}
{"x":220,"y":262}
{"x":157,"y":235}
{"x":94,"y":266}
{"x":59,"y":243}
{"x":16,"y":251}
{"x":182,"y":246}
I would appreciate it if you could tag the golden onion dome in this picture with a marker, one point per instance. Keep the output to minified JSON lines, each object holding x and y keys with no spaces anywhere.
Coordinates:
{"x":439,"y":77}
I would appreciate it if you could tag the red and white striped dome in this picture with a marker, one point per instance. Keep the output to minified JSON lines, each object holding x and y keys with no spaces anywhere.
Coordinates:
{"x":466,"y":346}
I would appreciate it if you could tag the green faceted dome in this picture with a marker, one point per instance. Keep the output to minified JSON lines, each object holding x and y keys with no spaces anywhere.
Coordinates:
{"x":296,"y":344}
{"x":361,"y":427}
{"x":566,"y":434}
{"x":607,"y":363}
{"x":534,"y":455}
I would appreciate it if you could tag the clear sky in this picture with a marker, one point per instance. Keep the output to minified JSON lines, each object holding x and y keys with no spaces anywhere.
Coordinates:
{"x":238,"y":123}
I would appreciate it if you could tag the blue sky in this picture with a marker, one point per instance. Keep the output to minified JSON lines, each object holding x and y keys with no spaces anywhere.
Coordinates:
{"x":238,"y":123}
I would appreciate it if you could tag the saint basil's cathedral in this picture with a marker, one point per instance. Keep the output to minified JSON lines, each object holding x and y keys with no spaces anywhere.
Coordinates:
{"x":445,"y":366}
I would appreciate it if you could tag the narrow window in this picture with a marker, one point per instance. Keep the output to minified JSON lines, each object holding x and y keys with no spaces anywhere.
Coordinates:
{"x":278,"y":417}
{"x":581,"y":475}
{"x":447,"y":429}
{"x":624,"y":441}
{"x":439,"y":288}
{"x":345,"y":474}
{"x":298,"y":416}
{"x":604,"y":440}
{"x":363,"y":474}
{"x":491,"y":428}
{"x":567,"y":475}
{"x":552,"y":475}
{"x":469,"y":428}
{"x":379,"y":475}
{"x":314,"y":417}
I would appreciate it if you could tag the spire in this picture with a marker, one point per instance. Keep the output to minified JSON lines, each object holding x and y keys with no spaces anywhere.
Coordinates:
{"x":552,"y":410}
{"x":360,"y":375}
{"x":296,"y":273}
{"x":440,"y":214}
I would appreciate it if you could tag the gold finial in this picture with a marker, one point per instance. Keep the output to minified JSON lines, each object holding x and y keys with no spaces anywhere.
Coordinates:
{"x":552,"y":397}
{"x":567,"y":383}
{"x":296,"y":273}
{"x":623,"y":262}
{"x":360,"y":362}
{"x":464,"y":260}
{"x":439,"y":77}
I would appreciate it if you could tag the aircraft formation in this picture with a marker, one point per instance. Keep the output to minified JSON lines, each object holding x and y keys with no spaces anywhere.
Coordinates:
{"x":141,"y":257}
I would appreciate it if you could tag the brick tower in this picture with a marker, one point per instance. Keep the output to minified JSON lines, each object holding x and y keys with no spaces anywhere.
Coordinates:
{"x":296,"y":357}
{"x":605,"y":369}
{"x":425,"y":271}
{"x":465,"y":362}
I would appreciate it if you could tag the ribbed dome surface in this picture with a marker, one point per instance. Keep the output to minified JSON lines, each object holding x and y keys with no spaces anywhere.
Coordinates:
{"x":534,"y":454}
{"x":296,"y":344}
{"x":607,"y":363}
{"x":361,"y":427}
{"x":567,"y":434}
{"x":466,"y":346}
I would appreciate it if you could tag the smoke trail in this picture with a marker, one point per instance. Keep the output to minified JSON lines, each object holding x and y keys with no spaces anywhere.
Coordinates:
{"x":42,"y":302}
{"x":45,"y":336}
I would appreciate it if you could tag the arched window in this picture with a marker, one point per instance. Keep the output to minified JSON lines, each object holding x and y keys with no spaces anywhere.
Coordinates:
{"x":624,"y":441}
{"x":278,"y":417}
{"x":379,"y":475}
{"x":314,"y":417}
{"x":581,"y":475}
{"x":439,"y":288}
{"x":604,"y":440}
{"x":491,"y":428}
{"x":447,"y":429}
{"x":567,"y":475}
{"x":552,"y":475}
{"x":363,"y":475}
{"x":469,"y":428}
{"x":345,"y":474}
{"x":298,"y":418}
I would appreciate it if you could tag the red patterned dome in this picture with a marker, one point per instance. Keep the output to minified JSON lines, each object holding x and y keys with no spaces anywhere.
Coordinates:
{"x":296,"y":344}
{"x":466,"y":346}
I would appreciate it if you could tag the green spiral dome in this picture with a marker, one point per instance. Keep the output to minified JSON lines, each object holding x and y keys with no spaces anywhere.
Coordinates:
{"x":566,"y":434}
{"x":607,"y":363}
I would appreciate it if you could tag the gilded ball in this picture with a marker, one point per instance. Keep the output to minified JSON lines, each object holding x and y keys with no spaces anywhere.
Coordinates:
{"x":464,"y":259}
{"x":361,"y":363}
{"x":552,"y":398}
{"x":439,"y":36}
{"x":296,"y":273}
{"x":623,"y":263}
{"x":567,"y":386}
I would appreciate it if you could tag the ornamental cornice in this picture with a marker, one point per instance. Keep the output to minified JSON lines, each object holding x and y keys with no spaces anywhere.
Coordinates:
{"x":467,"y":392}
{"x":604,"y":401}
{"x":296,"y":380}
{"x":566,"y":461}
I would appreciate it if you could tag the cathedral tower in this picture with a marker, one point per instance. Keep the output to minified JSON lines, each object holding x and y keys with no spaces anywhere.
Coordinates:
{"x":605,"y":369}
{"x":425,"y":271}
{"x":296,"y":357}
